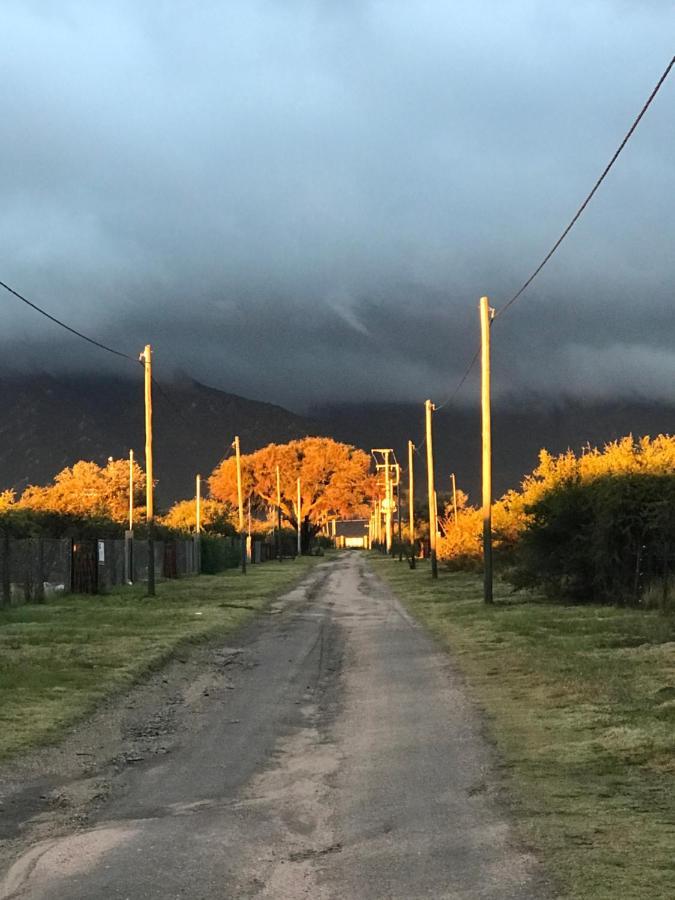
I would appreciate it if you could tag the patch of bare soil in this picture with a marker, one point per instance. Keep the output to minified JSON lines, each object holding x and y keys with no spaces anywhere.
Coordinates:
{"x":56,"y":789}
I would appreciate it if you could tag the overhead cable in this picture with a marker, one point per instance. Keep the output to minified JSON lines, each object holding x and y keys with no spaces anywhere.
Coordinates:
{"x":595,"y":187}
{"x":74,"y":331}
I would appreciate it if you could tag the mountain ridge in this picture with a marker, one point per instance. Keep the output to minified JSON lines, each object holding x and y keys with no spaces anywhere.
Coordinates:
{"x":50,"y":422}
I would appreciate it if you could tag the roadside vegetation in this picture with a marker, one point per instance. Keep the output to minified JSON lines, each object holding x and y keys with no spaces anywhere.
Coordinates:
{"x":61,"y":658}
{"x":597,"y":526}
{"x":580,"y":701}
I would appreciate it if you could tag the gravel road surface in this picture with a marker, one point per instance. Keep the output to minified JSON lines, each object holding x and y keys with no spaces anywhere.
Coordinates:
{"x":331,"y":754}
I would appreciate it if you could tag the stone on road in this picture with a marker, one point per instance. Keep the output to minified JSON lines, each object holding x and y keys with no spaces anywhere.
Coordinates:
{"x":344,"y":762}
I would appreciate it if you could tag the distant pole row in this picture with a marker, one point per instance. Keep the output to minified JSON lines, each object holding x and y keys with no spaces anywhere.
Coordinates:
{"x":386,"y":506}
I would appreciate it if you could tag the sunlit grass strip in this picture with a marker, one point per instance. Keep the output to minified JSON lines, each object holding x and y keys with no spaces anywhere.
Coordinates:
{"x":59,"y":659}
{"x":581,"y":705}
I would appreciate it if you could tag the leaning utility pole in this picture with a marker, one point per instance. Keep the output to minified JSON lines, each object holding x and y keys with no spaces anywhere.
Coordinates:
{"x":411,"y":495}
{"x":299,"y":519}
{"x":198,"y":504}
{"x":429,"y":407}
{"x":146,"y":359}
{"x":240,"y":500}
{"x":486,"y":315}
{"x":454,"y":495}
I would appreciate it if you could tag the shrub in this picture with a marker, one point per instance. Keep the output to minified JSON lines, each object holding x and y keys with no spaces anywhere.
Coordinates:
{"x":605,"y":539}
{"x":219,"y":553}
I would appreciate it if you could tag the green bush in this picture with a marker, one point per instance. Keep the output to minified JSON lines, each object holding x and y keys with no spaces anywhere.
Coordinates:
{"x":602,"y":540}
{"x":219,"y":553}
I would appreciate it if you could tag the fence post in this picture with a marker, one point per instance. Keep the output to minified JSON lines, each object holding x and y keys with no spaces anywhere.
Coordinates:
{"x":39,"y":591}
{"x":129,"y":556}
{"x":6,"y":580}
{"x":197,"y":555}
{"x":67,"y":544}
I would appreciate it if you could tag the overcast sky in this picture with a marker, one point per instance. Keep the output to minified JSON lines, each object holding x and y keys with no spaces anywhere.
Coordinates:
{"x":303,"y":201}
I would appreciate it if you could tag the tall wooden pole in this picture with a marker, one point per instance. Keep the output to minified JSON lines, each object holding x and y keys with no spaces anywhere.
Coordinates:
{"x":240,"y":500}
{"x":131,"y":490}
{"x":388,"y":502}
{"x":411,"y":495}
{"x":146,"y":359}
{"x":198,"y":504}
{"x":279,"y":515}
{"x":429,"y":408}
{"x":398,"y":512}
{"x":299,"y":518}
{"x":485,"y":319}
{"x":454,"y":495}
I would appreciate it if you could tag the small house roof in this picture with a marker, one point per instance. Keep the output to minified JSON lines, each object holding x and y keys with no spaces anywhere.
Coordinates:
{"x":351,"y":527}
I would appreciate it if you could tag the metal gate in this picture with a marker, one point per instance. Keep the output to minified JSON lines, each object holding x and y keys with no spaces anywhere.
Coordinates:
{"x":85,"y":567}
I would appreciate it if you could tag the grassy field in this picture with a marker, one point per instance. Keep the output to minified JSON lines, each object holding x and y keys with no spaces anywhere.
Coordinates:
{"x":580,"y":702}
{"x":60,"y":658}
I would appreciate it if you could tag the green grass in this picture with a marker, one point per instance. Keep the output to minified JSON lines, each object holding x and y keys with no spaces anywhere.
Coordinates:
{"x":580,"y":701}
{"x":58,"y":660}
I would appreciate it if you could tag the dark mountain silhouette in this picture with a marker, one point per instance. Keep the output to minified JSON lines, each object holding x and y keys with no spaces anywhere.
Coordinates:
{"x":50,"y":422}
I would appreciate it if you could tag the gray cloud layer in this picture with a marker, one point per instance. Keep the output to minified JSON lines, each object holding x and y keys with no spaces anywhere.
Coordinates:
{"x":304,"y":200}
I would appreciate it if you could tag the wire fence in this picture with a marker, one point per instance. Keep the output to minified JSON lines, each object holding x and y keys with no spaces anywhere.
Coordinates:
{"x":34,"y":569}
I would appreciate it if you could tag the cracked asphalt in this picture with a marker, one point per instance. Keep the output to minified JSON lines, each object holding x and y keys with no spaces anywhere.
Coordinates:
{"x":332,"y":753}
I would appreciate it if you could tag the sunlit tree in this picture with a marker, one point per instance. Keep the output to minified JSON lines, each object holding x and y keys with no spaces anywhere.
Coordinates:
{"x":335,"y":480}
{"x":7,"y":500}
{"x":87,"y":489}
{"x":216,"y":517}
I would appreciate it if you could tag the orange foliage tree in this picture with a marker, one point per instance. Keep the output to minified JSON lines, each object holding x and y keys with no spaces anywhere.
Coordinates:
{"x":216,"y":517}
{"x":511,"y":514}
{"x":87,"y":489}
{"x":335,"y":480}
{"x":7,"y":500}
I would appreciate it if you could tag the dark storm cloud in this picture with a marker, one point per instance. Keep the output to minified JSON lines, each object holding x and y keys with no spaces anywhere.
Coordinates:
{"x":304,"y":200}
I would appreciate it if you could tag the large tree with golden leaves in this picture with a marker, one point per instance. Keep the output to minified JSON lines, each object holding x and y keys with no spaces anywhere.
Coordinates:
{"x":335,"y":480}
{"x":87,"y":489}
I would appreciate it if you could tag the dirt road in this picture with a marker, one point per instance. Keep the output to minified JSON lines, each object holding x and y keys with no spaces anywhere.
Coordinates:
{"x":331,"y":754}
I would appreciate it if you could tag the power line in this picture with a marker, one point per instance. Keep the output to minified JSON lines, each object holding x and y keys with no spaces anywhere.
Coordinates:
{"x":567,"y":230}
{"x":63,"y":324}
{"x":588,"y":199}
{"x":460,"y":384}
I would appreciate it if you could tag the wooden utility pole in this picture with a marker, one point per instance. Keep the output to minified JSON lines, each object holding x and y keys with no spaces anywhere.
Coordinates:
{"x":131,"y":490}
{"x":398,"y":512}
{"x":486,"y":315}
{"x":240,"y":500}
{"x":146,"y":359}
{"x":454,"y":495}
{"x":129,"y":533}
{"x":279,"y":515}
{"x":411,"y":495}
{"x":388,"y":502}
{"x":299,"y":519}
{"x":429,"y":408}
{"x":198,"y":504}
